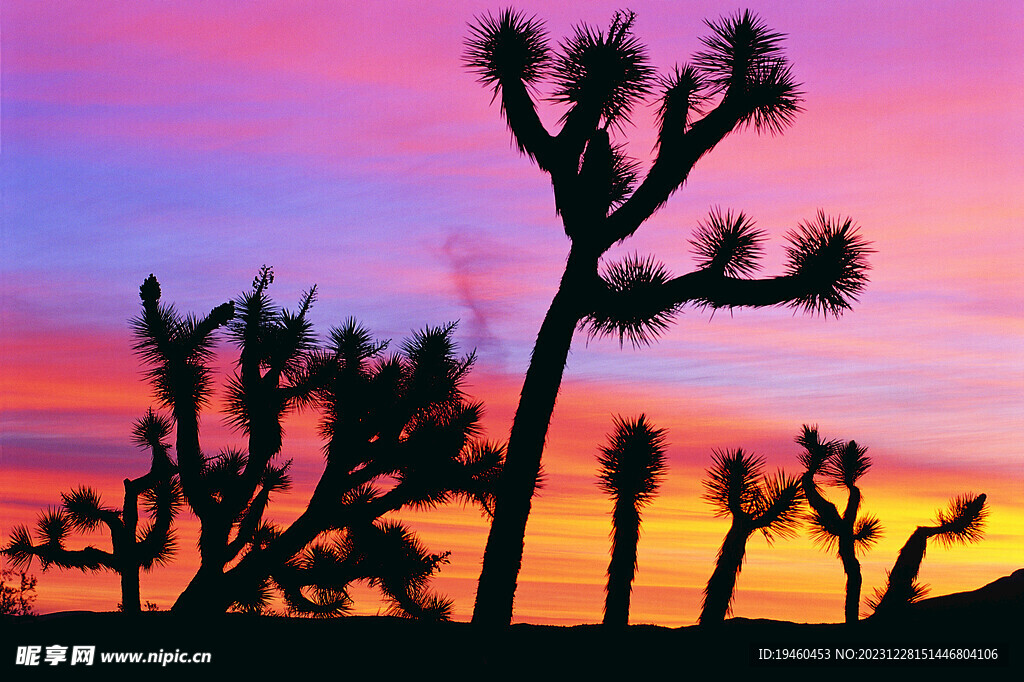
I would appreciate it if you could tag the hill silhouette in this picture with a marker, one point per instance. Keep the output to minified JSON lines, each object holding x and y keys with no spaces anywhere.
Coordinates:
{"x":999,"y":601}
{"x":243,"y":642}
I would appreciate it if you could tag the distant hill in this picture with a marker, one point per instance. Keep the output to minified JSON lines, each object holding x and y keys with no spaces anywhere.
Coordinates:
{"x":999,"y":601}
{"x":395,"y":648}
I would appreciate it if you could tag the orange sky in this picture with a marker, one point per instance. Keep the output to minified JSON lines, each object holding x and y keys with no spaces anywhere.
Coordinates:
{"x":567,"y":544}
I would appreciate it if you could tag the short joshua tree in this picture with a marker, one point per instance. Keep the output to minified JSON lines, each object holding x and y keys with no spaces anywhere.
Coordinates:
{"x":133,"y":547}
{"x":842,"y":465}
{"x":632,"y":465}
{"x":738,"y":489}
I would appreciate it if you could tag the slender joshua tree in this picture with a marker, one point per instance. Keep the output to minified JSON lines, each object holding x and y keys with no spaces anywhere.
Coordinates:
{"x":842,"y":464}
{"x":740,"y":78}
{"x":738,"y":489}
{"x":632,"y":465}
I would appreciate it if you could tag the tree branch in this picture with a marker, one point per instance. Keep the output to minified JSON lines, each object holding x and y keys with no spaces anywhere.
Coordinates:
{"x":678,"y":152}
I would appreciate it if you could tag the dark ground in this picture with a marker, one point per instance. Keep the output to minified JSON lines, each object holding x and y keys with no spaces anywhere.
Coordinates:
{"x":943,"y":629}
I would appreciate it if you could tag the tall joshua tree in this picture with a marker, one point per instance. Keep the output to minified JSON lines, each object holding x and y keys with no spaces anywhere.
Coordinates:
{"x":741,"y":78}
{"x":738,"y":489}
{"x":632,"y":465}
{"x":132,"y":548}
{"x":842,"y":464}
{"x":962,"y":522}
{"x":228,"y":492}
{"x":398,"y":431}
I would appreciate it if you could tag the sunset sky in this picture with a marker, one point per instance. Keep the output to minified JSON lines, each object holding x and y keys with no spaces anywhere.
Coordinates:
{"x":346,"y":145}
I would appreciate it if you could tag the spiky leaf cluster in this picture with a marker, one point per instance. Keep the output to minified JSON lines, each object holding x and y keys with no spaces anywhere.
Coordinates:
{"x":816,"y":452}
{"x":830,"y":256}
{"x":385,"y":555}
{"x":744,"y":59}
{"x":963,"y":520}
{"x":731,"y":482}
{"x":778,"y":512}
{"x":506,"y":48}
{"x":737,"y":487}
{"x":157,"y":545}
{"x":256,"y":598}
{"x":177,"y":348}
{"x":866,"y":532}
{"x":84,"y":509}
{"x":603,"y":73}
{"x":848,"y":464}
{"x":684,"y":94}
{"x":915,"y":593}
{"x":151,"y":430}
{"x":631,"y":307}
{"x":607,"y":172}
{"x":728,"y":244}
{"x":632,"y":464}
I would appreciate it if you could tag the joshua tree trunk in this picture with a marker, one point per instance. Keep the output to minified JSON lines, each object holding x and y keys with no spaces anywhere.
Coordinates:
{"x":504,"y":552}
{"x":622,"y":567}
{"x":853,"y":579}
{"x":900,"y":590}
{"x":131,"y":601}
{"x":123,"y":540}
{"x":718,"y":593}
{"x":207,"y":593}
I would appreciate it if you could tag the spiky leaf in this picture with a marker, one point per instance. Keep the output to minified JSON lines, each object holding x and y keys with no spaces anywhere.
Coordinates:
{"x":605,"y":73}
{"x":728,"y":243}
{"x":848,"y":464}
{"x":632,"y":464}
{"x":505,"y":48}
{"x":830,"y":257}
{"x":626,"y":310}
{"x":867,"y":532}
{"x":963,"y":521}
{"x":684,"y":94}
{"x":731,"y":484}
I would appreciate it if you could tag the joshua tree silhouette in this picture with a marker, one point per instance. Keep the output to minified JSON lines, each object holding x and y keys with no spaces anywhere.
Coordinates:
{"x":399,"y":431}
{"x":632,"y":465}
{"x":962,"y":522}
{"x":737,"y":487}
{"x":740,"y":79}
{"x":132,"y":548}
{"x":842,"y":464}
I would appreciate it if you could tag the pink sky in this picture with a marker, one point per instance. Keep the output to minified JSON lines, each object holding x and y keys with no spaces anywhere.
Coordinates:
{"x":347,"y":146}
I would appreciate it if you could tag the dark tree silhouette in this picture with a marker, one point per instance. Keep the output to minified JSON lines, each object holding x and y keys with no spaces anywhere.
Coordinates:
{"x":842,"y":464}
{"x":962,"y":522}
{"x":632,"y":466}
{"x":740,"y":79}
{"x":737,"y":487}
{"x":398,"y":431}
{"x":18,"y":598}
{"x":132,"y":548}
